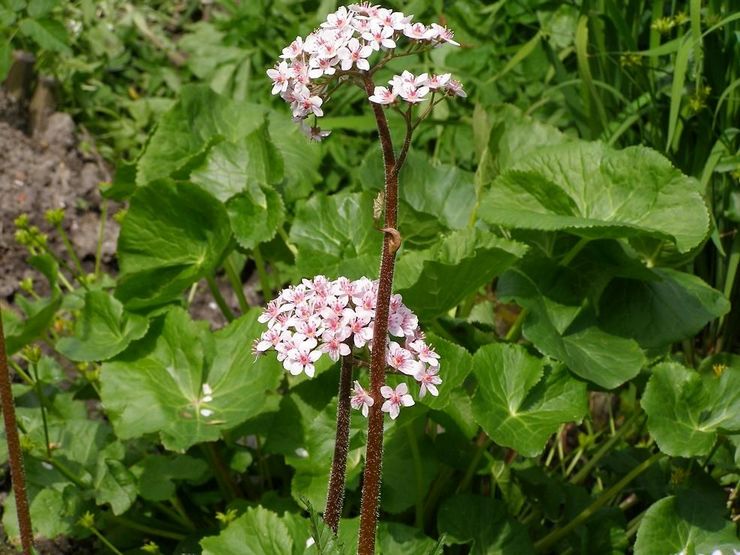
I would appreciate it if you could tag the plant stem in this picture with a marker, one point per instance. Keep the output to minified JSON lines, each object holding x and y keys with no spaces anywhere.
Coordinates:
{"x":70,"y":250}
{"x":42,"y":403}
{"x":105,"y":541}
{"x":219,"y":298}
{"x":15,"y":455}
{"x":228,"y":487}
{"x":133,"y":525}
{"x":236,"y":283}
{"x":262,"y":272}
{"x":335,"y":493}
{"x":418,"y":470}
{"x":585,"y":471}
{"x":559,"y":533}
{"x":374,"y":453}
{"x":482,"y":442}
{"x":101,"y":237}
{"x":516,"y":328}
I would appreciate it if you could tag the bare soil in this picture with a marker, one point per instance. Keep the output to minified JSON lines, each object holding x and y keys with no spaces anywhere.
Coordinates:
{"x":40,"y":172}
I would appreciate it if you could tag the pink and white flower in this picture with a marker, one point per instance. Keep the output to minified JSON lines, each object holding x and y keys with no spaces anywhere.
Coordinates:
{"x":443,"y":34}
{"x":340,"y":19}
{"x":381,"y":95}
{"x":396,"y":398}
{"x":347,"y":38}
{"x":321,"y":317}
{"x":401,"y":359}
{"x":293,"y":50}
{"x":280,"y":76}
{"x":438,"y":81}
{"x":418,"y":31}
{"x":378,"y":36}
{"x":424,"y":352}
{"x":428,"y":381}
{"x":355,"y":54}
{"x":301,"y":358}
{"x":361,"y":399}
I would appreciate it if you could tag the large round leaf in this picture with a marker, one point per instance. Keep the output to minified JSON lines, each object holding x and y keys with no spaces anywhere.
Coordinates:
{"x":199,"y":119}
{"x":336,"y":236}
{"x":104,"y":330}
{"x":562,"y":324}
{"x":594,"y":191}
{"x":485,"y":522}
{"x":158,"y":384}
{"x":435,"y":280}
{"x":687,"y":523}
{"x":520,"y":402}
{"x":172,"y":236}
{"x":669,"y":308}
{"x":257,"y":532}
{"x":686,"y":410}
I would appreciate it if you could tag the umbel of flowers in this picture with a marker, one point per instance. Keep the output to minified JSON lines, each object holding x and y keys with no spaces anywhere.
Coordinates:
{"x":353,"y":42}
{"x":320,"y":317}
{"x":333,"y":318}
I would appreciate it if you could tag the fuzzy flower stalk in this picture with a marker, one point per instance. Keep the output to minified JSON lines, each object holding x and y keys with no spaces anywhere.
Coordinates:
{"x":351,"y":48}
{"x":336,"y":319}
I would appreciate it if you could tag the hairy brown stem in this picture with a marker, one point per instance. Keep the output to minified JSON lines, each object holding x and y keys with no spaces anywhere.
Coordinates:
{"x":15,"y":455}
{"x":374,"y":453}
{"x":335,"y":494}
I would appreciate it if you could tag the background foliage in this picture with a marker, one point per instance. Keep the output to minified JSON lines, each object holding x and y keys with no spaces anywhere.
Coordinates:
{"x":570,"y":242}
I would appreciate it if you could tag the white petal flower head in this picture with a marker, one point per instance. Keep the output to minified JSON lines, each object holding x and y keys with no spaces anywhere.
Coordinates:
{"x":280,"y":76}
{"x":355,"y":54}
{"x":443,"y":34}
{"x":361,"y":399}
{"x":381,"y":95}
{"x":428,"y":381}
{"x":395,"y":399}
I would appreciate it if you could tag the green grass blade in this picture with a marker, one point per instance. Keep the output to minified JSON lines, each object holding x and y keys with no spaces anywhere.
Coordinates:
{"x":590,"y":95}
{"x":524,"y":50}
{"x":679,"y":80}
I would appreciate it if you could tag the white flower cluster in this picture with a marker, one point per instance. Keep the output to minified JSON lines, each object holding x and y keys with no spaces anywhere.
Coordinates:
{"x":320,"y":317}
{"x":342,"y":45}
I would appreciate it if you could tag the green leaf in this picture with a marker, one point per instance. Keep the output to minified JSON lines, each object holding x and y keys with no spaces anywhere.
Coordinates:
{"x":442,"y":190}
{"x":39,"y":8}
{"x":257,"y":532}
{"x":336,"y":236}
{"x":47,"y":33}
{"x":512,"y":138}
{"x":398,"y":539}
{"x":157,"y":384}
{"x":54,"y":512}
{"x":520,"y":401}
{"x":304,"y":432}
{"x":6,"y":58}
{"x":40,"y":314}
{"x":439,"y":278}
{"x":485,"y":522}
{"x":301,"y":158}
{"x":255,"y":220}
{"x":595,"y":192}
{"x":157,"y":474}
{"x":657,"y":313}
{"x":685,"y":524}
{"x":104,"y":329}
{"x":231,"y":168}
{"x":199,"y":119}
{"x":114,"y":484}
{"x":172,"y":236}
{"x":686,"y":410}
{"x":562,"y":324}
{"x":403,"y":483}
{"x":456,"y":363}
